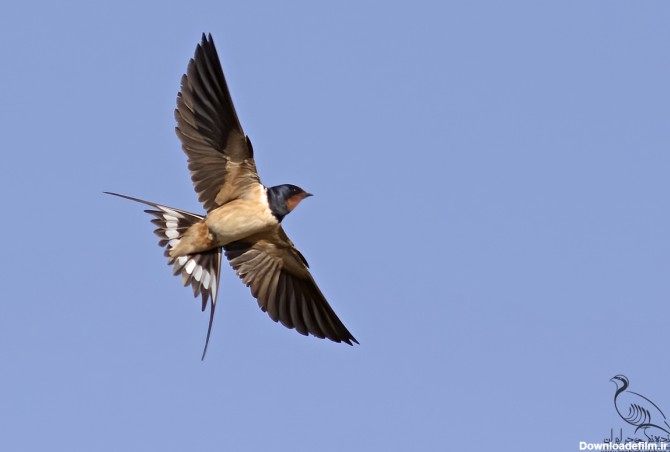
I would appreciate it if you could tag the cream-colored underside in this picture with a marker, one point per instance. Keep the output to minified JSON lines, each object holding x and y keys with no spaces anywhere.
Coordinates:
{"x":235,"y":220}
{"x":241,"y":218}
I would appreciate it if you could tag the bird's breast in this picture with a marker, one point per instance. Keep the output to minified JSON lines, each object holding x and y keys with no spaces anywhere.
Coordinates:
{"x":241,"y":217}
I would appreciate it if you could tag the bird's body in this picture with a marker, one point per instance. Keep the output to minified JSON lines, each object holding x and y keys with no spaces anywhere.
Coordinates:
{"x":243,"y":216}
{"x":235,"y":220}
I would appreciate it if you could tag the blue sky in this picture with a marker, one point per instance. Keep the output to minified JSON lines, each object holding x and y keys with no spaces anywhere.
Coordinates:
{"x":491,"y":222}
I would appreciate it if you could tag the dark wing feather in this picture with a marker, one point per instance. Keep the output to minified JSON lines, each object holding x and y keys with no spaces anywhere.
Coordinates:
{"x":278,"y":277}
{"x":220,"y":156}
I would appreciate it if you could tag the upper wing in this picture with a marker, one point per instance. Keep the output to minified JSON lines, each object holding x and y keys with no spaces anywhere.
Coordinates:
{"x":279,"y":279}
{"x":220,"y":156}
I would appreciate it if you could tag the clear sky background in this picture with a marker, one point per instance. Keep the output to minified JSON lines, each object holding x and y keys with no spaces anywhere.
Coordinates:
{"x":491,"y":221}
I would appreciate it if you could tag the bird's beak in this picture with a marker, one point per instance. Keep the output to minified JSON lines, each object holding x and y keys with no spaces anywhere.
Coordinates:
{"x":307,"y":195}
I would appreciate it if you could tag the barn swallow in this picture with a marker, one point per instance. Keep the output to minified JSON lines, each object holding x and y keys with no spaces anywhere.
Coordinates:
{"x":243,"y":219}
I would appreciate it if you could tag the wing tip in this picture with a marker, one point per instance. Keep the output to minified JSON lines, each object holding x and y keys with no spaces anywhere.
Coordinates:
{"x":206,"y":38}
{"x":349,"y":340}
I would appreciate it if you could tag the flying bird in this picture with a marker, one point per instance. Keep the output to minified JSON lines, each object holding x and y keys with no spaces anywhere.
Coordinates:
{"x":243,"y":217}
{"x":636,"y":409}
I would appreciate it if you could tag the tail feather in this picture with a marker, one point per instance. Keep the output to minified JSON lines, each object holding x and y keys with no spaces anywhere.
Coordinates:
{"x":201,"y":271}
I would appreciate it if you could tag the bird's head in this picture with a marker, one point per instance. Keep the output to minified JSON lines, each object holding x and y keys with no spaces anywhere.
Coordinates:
{"x":284,"y":198}
{"x":620,"y":381}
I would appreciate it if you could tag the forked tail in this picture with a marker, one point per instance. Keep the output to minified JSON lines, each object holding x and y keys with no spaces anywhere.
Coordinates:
{"x":200,"y":270}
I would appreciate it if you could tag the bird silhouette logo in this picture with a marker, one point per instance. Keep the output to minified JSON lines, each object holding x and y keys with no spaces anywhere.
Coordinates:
{"x":637,"y":410}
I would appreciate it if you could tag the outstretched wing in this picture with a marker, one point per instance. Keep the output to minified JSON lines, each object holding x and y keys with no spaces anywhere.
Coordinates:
{"x":279,"y":279}
{"x":220,"y":156}
{"x":200,"y":271}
